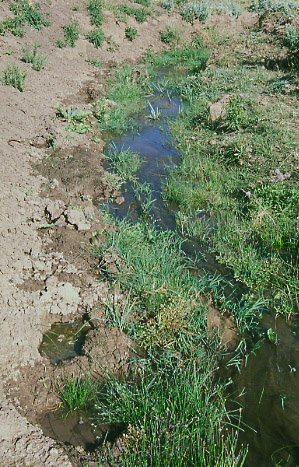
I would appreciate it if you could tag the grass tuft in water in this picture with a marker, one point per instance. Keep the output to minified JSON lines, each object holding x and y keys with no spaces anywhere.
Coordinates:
{"x":123,"y":162}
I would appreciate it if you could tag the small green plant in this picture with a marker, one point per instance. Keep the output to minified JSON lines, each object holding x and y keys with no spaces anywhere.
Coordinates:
{"x":72,"y":115}
{"x":71,"y":34}
{"x":155,"y":113}
{"x":32,"y":56}
{"x":14,"y":76}
{"x":76,"y":393}
{"x":239,"y":115}
{"x":96,"y":37}
{"x":195,"y":10}
{"x":95,"y":63}
{"x":292,"y":42}
{"x":130,"y":33}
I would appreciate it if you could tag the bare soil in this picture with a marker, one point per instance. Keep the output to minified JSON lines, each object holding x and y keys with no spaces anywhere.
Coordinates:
{"x":48,"y":274}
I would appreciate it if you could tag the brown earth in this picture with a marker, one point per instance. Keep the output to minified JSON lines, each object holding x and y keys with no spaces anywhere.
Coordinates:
{"x":47,"y":274}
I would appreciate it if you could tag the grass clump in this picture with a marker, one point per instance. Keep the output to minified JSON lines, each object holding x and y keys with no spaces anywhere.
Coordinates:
{"x":32,"y":56}
{"x":130,"y":33}
{"x":14,"y":76}
{"x":140,"y":14}
{"x":76,"y":393}
{"x":96,"y":37}
{"x":171,"y":36}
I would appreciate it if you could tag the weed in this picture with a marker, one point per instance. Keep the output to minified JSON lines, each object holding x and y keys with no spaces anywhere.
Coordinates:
{"x":32,"y":56}
{"x":155,"y":113}
{"x":263,"y":6}
{"x":76,"y":393}
{"x":194,"y":10}
{"x":14,"y":76}
{"x":292,"y":42}
{"x":193,"y":57}
{"x":76,"y":119}
{"x":143,"y":2}
{"x":130,"y":33}
{"x":96,"y":37}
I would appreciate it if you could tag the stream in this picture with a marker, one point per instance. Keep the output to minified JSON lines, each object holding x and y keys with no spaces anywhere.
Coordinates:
{"x":267,"y":387}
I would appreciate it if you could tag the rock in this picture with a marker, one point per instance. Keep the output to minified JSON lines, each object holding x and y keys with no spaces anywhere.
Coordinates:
{"x":119,"y":200}
{"x":218,"y":110}
{"x":224,"y":326}
{"x":76,"y":217}
{"x":54,"y":209}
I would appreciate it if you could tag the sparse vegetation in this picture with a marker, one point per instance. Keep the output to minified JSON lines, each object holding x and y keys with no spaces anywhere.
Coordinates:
{"x":24,"y":13}
{"x":32,"y":56}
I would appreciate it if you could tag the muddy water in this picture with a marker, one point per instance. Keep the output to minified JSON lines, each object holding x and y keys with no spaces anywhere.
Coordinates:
{"x":78,"y":429}
{"x":269,"y":381}
{"x":64,"y":341}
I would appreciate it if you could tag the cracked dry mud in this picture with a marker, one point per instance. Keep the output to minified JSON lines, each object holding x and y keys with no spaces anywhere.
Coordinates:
{"x":47,"y":274}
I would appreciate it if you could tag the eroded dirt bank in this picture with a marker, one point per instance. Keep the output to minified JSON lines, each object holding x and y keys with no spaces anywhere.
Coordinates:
{"x":46,"y":274}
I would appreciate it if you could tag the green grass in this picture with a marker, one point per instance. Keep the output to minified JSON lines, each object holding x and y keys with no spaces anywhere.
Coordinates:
{"x":76,"y":393}
{"x":14,"y":76}
{"x":234,"y":169}
{"x":32,"y":56}
{"x":174,"y":413}
{"x":125,"y":95}
{"x":170,"y":402}
{"x":192,"y":57}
